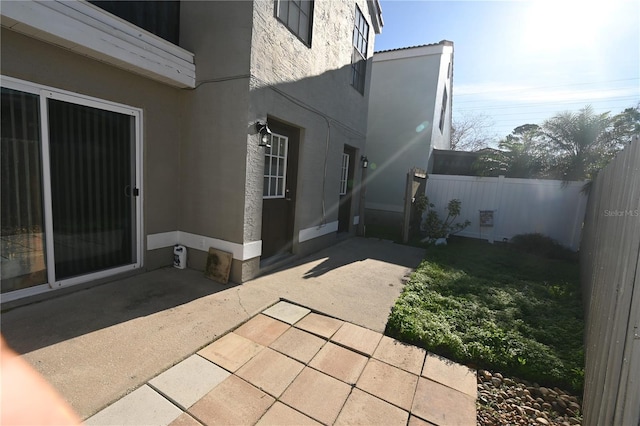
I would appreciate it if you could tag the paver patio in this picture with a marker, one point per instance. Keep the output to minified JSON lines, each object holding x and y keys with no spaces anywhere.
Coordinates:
{"x":289,"y":365}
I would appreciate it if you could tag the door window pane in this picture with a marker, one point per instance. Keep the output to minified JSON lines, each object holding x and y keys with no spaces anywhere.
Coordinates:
{"x":275,"y":167}
{"x":22,"y":218}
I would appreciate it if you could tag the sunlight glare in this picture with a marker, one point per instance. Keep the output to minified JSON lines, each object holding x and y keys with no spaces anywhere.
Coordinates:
{"x":565,"y":24}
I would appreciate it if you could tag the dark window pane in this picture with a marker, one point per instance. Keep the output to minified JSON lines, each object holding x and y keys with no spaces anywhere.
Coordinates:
{"x":161,"y":18}
{"x":23,"y":241}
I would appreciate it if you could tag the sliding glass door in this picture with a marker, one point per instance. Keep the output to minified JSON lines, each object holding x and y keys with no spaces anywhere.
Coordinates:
{"x":70,"y":198}
{"x":22,"y":213}
{"x":92,"y":188}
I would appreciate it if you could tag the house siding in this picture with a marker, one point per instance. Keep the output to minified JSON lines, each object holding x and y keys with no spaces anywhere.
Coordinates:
{"x":203,"y":168}
{"x":404,"y":113}
{"x":309,"y":88}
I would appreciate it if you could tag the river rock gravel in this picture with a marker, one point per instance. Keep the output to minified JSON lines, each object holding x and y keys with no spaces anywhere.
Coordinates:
{"x":506,"y":401}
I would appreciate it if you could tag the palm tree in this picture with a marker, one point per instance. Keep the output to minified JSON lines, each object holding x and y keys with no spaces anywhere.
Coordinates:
{"x":582,"y":142}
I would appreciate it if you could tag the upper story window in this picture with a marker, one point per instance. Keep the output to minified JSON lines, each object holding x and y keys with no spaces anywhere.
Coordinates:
{"x":297,"y":15}
{"x":161,"y":18}
{"x":443,"y":109}
{"x":359,"y":56}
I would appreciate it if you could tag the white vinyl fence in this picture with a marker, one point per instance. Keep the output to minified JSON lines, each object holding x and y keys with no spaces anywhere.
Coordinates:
{"x":512,"y":206}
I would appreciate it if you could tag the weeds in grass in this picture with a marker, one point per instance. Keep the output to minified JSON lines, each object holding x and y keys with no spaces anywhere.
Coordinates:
{"x":496,"y":308}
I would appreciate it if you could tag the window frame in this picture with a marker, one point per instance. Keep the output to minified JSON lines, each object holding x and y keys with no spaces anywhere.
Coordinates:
{"x":267,"y":174}
{"x":344,"y":174}
{"x":443,"y":109}
{"x":296,"y":33}
{"x":360,"y":41}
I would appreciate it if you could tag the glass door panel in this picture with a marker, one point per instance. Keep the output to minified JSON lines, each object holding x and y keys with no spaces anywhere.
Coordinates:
{"x":92,"y":158}
{"x":22,"y":216}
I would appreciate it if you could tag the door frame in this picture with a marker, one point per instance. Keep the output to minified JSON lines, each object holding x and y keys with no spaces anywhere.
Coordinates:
{"x":45,"y":93}
{"x":345,"y":201}
{"x":293,"y":135}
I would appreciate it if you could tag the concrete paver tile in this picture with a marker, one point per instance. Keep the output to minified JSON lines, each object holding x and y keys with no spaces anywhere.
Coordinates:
{"x":339,"y":362}
{"x":319,"y":324}
{"x":283,"y":415}
{"x":185,"y":420}
{"x":451,"y":374}
{"x":388,"y":383}
{"x":189,"y":380}
{"x":442,"y":405}
{"x":143,"y":406}
{"x":232,"y":402}
{"x":401,"y":355}
{"x":298,"y":344}
{"x":231,"y":351}
{"x":317,"y":395}
{"x":417,"y":421}
{"x":358,"y":338}
{"x":270,"y":371}
{"x":262,"y":329}
{"x":287,"y":312}
{"x":364,"y":409}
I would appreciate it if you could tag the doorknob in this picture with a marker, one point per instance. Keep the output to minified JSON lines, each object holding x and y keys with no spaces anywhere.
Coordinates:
{"x":286,"y":195}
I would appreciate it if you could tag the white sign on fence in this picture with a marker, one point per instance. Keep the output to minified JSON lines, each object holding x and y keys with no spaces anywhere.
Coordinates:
{"x":519,"y":206}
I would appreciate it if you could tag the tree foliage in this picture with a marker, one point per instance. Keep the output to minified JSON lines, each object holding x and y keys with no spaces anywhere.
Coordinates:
{"x":471,"y":132}
{"x":568,"y":146}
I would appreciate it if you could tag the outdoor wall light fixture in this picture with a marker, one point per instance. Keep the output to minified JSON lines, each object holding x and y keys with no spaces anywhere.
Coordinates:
{"x":365,"y":162}
{"x":265,"y":134}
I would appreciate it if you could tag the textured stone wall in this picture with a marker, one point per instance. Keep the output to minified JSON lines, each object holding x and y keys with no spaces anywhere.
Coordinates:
{"x":309,"y":88}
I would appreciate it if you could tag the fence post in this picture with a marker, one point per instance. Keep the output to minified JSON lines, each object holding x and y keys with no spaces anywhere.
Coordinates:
{"x":407,"y":206}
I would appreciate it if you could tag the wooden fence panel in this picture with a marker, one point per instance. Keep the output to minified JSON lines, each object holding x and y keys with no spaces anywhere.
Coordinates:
{"x":610,"y":275}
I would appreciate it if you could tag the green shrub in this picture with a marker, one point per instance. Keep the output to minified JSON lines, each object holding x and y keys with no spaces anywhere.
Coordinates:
{"x":541,"y":245}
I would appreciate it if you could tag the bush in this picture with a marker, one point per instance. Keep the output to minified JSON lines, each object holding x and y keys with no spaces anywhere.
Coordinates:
{"x":541,"y":245}
{"x":436,"y":228}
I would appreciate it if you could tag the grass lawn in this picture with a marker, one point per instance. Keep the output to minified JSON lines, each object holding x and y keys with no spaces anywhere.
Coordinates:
{"x":497,"y":308}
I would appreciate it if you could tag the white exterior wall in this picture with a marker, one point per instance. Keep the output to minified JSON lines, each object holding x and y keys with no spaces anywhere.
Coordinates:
{"x":520,"y":206}
{"x":404,"y":113}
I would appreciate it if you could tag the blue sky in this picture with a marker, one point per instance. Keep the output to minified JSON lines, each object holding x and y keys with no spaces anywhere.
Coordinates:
{"x":521,"y":62}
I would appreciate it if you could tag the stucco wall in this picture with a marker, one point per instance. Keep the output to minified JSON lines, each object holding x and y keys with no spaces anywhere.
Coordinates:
{"x":215,"y":118}
{"x":404,"y":114}
{"x":309,"y":88}
{"x":38,"y":62}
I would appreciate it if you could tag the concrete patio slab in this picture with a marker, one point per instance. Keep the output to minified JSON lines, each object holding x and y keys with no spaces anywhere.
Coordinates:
{"x":270,"y":371}
{"x":189,"y":380}
{"x":298,"y":344}
{"x":388,"y":383}
{"x":232,"y":402}
{"x":282,"y":415}
{"x":185,"y":420}
{"x":231,"y":351}
{"x":117,"y":336}
{"x":407,"y":357}
{"x":320,"y":324}
{"x":357,"y":338}
{"x":450,"y":374}
{"x":367,"y":410}
{"x":262,"y":329}
{"x":287,"y":312}
{"x":339,"y":362}
{"x":144,"y":406}
{"x":317,"y":395}
{"x":442,"y":405}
